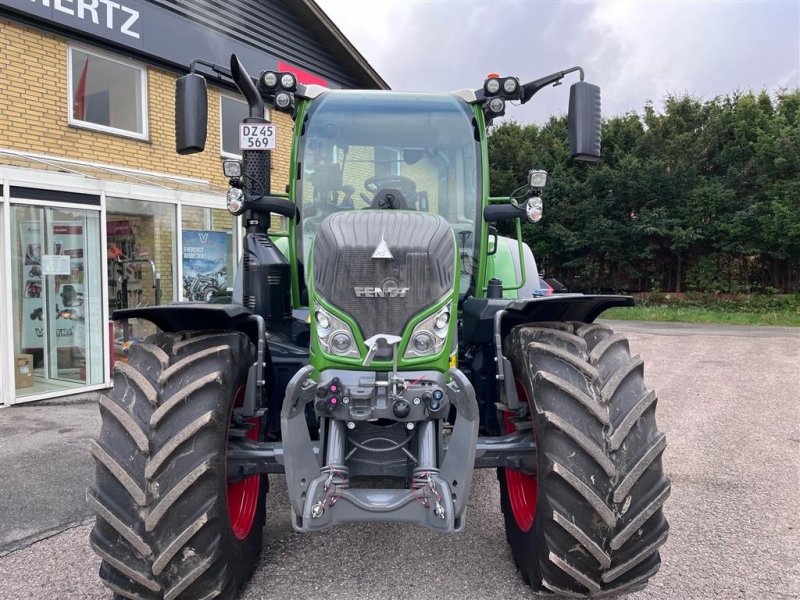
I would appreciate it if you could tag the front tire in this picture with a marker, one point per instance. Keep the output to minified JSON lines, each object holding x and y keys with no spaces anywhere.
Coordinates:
{"x":169,"y":526}
{"x":590,"y":523}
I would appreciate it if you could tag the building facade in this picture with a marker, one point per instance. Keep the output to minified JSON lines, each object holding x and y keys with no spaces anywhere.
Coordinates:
{"x":98,"y":211}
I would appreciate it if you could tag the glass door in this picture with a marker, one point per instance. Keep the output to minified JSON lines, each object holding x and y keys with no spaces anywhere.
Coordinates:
{"x":56,"y":298}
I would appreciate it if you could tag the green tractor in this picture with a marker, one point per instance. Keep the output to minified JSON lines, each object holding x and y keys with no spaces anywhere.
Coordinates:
{"x":381,"y":345}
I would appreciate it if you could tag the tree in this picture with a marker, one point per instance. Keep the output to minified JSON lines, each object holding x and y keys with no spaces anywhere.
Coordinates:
{"x":702,"y":196}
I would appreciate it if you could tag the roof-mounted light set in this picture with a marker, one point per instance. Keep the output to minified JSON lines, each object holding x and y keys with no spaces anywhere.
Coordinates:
{"x":280,"y":88}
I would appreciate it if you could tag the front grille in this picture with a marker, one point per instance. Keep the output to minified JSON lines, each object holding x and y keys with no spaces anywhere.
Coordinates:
{"x":423,"y":250}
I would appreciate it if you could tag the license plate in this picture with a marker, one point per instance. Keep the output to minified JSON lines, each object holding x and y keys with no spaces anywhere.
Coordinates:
{"x":257,"y":136}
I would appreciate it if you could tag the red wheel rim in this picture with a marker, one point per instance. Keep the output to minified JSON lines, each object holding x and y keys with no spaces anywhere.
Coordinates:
{"x":523,"y":489}
{"x":243,"y":494}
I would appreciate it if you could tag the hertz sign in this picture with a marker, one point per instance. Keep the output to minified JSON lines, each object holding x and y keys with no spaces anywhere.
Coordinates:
{"x":149,"y":30}
{"x":114,"y":16}
{"x":118,"y":20}
{"x":143,"y":27}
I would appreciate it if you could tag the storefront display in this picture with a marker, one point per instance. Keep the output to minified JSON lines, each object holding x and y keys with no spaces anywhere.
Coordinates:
{"x":65,"y":284}
{"x":208,"y":254}
{"x":65,"y":265}
{"x":206,"y":257}
{"x":55,"y":271}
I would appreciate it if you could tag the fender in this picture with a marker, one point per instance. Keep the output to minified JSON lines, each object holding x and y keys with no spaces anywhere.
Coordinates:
{"x":214,"y":317}
{"x":488,"y":321}
{"x":484,"y":319}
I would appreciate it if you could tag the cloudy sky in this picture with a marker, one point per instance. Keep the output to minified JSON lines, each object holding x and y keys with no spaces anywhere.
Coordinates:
{"x":635,"y":51}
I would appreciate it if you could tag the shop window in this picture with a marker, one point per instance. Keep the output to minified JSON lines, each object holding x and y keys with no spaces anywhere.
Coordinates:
{"x":107,"y":94}
{"x":208,"y":254}
{"x":232,"y":112}
{"x":141,"y":247}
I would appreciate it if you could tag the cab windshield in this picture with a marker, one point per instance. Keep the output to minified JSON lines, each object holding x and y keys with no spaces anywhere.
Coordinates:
{"x":392,"y":151}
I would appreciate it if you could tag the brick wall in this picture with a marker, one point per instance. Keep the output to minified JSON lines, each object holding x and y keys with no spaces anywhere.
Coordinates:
{"x":34,"y":114}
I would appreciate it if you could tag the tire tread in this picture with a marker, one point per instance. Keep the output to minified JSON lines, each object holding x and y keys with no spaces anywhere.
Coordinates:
{"x":161,"y":513}
{"x":599,"y":521}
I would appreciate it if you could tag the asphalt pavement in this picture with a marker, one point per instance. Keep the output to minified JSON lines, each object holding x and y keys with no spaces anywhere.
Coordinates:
{"x":729,"y":401}
{"x":45,"y":468}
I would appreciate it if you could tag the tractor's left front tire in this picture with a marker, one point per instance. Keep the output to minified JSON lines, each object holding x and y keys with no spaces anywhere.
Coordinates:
{"x":169,"y":524}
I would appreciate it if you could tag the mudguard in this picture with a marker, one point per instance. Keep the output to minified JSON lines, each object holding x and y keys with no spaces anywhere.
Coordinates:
{"x":200,"y":316}
{"x":490,"y":320}
{"x":194,"y":315}
{"x":486,"y":318}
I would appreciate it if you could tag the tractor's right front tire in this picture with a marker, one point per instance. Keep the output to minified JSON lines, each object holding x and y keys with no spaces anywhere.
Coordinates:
{"x":169,"y":524}
{"x":590,"y":522}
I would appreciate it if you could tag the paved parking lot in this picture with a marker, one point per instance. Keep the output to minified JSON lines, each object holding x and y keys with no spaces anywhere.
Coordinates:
{"x":729,"y":401}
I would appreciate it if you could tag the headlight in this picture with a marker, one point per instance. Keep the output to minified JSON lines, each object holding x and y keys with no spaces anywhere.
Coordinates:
{"x":534,"y":209}
{"x":423,"y":343}
{"x":323,"y":321}
{"x":334,"y":335}
{"x":235,"y":200}
{"x":342,"y":342}
{"x":430,"y":335}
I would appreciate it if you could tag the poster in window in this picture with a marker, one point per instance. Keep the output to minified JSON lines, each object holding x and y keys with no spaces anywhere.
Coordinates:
{"x":206,"y":257}
{"x":59,"y":267}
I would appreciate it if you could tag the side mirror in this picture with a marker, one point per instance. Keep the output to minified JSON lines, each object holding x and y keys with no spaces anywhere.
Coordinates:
{"x":191,"y":114}
{"x":584,"y":121}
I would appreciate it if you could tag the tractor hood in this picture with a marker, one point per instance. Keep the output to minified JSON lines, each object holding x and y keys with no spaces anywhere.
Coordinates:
{"x":383,"y":267}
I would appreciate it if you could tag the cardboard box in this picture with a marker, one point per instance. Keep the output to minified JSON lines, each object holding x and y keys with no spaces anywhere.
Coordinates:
{"x":23,"y":370}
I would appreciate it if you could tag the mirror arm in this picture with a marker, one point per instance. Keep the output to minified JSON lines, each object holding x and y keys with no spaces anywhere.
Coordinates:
{"x":220,"y":71}
{"x":227,"y":76}
{"x":221,"y":75}
{"x":530,"y":88}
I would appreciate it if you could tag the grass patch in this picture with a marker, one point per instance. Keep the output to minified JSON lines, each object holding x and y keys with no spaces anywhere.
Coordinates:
{"x":781,"y":311}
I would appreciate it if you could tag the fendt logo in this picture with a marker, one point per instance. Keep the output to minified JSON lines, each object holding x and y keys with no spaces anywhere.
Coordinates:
{"x":387,"y":291}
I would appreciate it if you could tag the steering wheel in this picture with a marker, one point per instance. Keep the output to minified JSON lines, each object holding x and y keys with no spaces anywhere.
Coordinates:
{"x":378,"y":182}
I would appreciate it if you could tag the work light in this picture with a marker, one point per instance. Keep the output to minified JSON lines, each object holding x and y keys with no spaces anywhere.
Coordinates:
{"x":232,"y":168}
{"x":497,"y":105}
{"x":492,"y":86}
{"x":283,"y":100}
{"x":537,"y":179}
{"x":269,"y":79}
{"x":288,"y":81}
{"x":510,"y":85}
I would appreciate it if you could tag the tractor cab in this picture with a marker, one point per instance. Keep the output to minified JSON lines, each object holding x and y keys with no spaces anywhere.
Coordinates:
{"x":365,"y":150}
